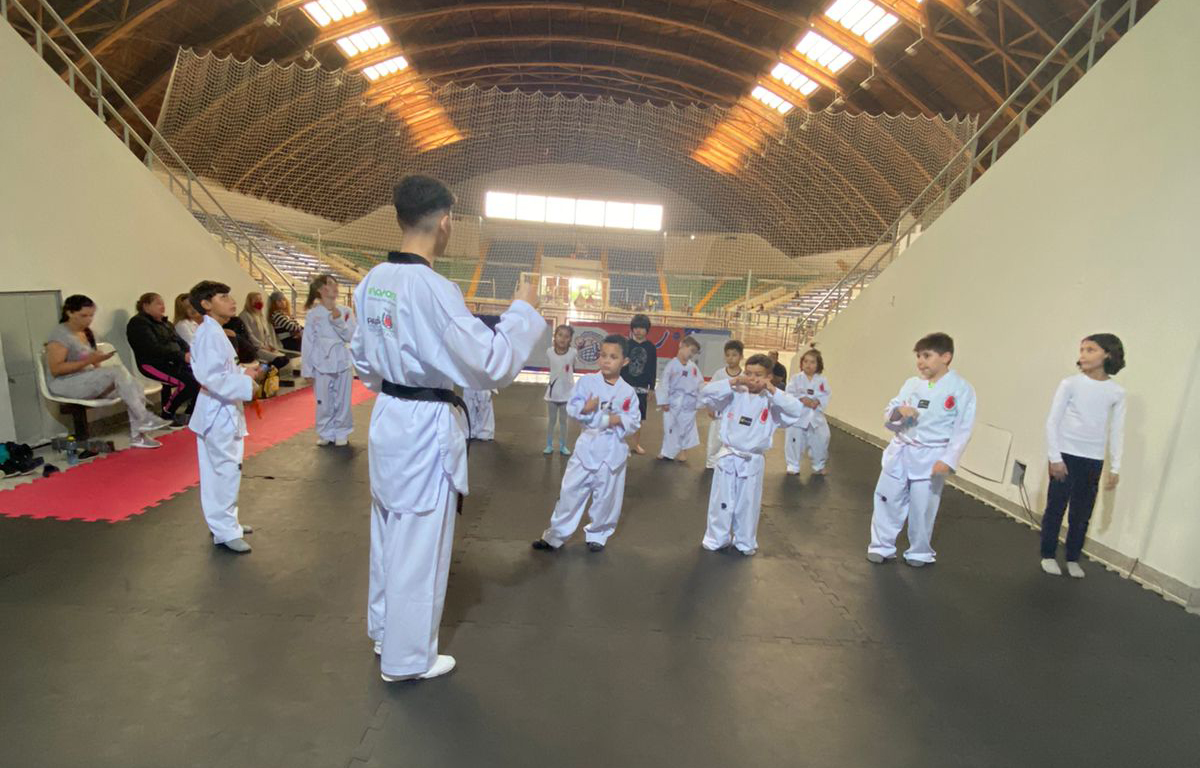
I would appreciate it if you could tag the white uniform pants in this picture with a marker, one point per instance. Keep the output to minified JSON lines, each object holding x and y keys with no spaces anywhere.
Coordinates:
{"x":606,"y":489}
{"x":714,"y":443}
{"x":483,"y":416}
{"x":734,"y":505}
{"x":898,"y":499}
{"x":410,"y":565}
{"x":335,"y":421}
{"x":814,"y":439}
{"x":220,"y":453}
{"x":679,"y":431}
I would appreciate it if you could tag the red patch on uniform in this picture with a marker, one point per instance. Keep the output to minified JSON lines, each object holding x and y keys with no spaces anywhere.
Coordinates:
{"x":950,"y":402}
{"x":765,"y":412}
{"x":625,"y":407}
{"x":822,"y":387}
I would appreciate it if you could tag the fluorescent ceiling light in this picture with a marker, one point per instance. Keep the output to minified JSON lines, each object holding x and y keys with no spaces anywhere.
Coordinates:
{"x":824,"y":53}
{"x":500,"y":205}
{"x":383,"y":69}
{"x":772,"y":100}
{"x":792,"y":77}
{"x":361,"y":42}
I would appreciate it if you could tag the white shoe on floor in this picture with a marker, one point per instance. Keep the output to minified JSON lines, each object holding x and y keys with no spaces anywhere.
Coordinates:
{"x":322,"y":441}
{"x":793,"y":470}
{"x":342,"y":441}
{"x":144,"y":441}
{"x":154,"y":422}
{"x":876,"y":558}
{"x":440,"y":667}
{"x":1074,"y":570}
{"x":236,"y":545}
{"x":1050,"y":566}
{"x":378,"y":648}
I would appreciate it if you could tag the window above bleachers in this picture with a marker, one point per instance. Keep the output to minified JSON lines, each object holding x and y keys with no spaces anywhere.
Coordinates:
{"x":542,"y":209}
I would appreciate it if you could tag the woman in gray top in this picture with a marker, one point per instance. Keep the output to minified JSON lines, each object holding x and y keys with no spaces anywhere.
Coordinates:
{"x":74,"y":371}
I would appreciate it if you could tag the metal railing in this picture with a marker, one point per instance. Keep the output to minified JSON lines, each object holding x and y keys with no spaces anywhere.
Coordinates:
{"x":179,"y":176}
{"x":889,"y":244}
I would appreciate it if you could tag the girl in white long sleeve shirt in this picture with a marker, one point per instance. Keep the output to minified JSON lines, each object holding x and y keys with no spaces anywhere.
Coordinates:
{"x":558,"y":389}
{"x":1088,"y":411}
{"x":326,"y":360}
{"x":811,"y":433}
{"x":607,"y":407}
{"x":751,"y":408}
{"x":932,"y":418}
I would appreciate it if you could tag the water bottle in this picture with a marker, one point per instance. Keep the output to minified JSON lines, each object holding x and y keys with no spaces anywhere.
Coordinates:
{"x":72,"y":451}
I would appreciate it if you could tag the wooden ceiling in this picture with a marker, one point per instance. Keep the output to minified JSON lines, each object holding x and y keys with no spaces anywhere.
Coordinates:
{"x":968,"y":58}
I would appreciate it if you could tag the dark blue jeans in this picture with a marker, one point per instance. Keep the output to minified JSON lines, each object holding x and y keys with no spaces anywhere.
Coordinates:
{"x":1079,"y":489}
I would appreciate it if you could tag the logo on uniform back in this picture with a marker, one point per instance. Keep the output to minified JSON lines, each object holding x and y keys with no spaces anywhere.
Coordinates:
{"x":950,"y":402}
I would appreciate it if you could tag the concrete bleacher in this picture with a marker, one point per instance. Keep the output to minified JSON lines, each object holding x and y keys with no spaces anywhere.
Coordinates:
{"x":506,"y":260}
{"x":693,"y":288}
{"x":632,"y":275}
{"x":286,"y":257}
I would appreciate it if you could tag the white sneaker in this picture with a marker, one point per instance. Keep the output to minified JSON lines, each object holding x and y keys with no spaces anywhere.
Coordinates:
{"x":378,"y":648}
{"x":341,"y":441}
{"x":440,"y":667}
{"x":322,"y":441}
{"x":144,"y":441}
{"x":1074,"y":570}
{"x":236,"y":545}
{"x":1050,"y":566}
{"x":154,"y":422}
{"x":876,"y":558}
{"x":793,"y":470}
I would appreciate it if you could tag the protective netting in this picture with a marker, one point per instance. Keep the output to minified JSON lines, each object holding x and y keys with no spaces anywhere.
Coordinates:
{"x":311,"y":142}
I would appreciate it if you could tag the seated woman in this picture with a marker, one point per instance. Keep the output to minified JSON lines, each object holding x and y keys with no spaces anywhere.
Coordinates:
{"x":186,"y":318}
{"x":162,"y":356}
{"x":73,"y":365}
{"x":287,"y":330}
{"x":268,"y":348}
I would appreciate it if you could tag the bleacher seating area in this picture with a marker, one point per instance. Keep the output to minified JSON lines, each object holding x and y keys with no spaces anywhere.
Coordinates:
{"x":632,"y":275}
{"x":506,"y":260}
{"x":286,"y":257}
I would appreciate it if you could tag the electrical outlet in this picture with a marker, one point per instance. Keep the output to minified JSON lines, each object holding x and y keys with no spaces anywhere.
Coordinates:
{"x":1018,"y":473}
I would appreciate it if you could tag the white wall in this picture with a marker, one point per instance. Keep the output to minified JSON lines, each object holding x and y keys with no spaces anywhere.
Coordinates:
{"x":80,"y":214}
{"x":1085,"y":226}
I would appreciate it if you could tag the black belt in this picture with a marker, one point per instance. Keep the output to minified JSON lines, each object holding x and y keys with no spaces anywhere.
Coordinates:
{"x":431,"y":395}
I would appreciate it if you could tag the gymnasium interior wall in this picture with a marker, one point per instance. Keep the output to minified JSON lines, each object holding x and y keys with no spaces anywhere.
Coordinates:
{"x":1085,"y":226}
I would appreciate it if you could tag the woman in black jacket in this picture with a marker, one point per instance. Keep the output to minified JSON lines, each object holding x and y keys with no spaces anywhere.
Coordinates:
{"x":162,"y":356}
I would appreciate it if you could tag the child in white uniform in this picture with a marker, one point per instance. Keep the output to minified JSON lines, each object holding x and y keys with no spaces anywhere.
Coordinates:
{"x":752,"y":408}
{"x":217,"y":417}
{"x":1088,"y":411}
{"x":732,"y":368}
{"x":932,"y":417}
{"x":558,"y":390}
{"x":681,"y":383}
{"x":811,"y":388}
{"x":607,"y":407}
{"x":328,"y":329}
{"x":483,"y":416}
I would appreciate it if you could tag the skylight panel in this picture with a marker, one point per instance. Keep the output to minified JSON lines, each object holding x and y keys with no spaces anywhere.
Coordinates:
{"x":326,"y":12}
{"x":383,"y":69}
{"x":772,"y":100}
{"x":822,"y":52}
{"x":791,"y":77}
{"x":361,"y":42}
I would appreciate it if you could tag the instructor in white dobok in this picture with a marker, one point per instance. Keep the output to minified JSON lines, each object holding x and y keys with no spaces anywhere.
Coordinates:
{"x":415,"y":340}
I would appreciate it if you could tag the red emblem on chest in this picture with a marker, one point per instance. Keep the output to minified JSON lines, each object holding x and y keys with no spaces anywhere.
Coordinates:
{"x":625,"y":407}
{"x":950,"y":402}
{"x":765,"y":413}
{"x":822,"y":387}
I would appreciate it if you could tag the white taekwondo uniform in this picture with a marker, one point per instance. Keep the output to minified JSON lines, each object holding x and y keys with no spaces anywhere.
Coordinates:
{"x":326,"y":360}
{"x":218,"y":421}
{"x":907,"y":488}
{"x":414,"y":330}
{"x":812,"y":431}
{"x":714,"y":426}
{"x":681,"y":384}
{"x":597,"y":468}
{"x":748,"y":424}
{"x":483,"y":416}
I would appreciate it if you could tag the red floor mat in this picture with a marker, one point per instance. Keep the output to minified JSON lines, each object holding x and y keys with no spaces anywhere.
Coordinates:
{"x":120,"y":485}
